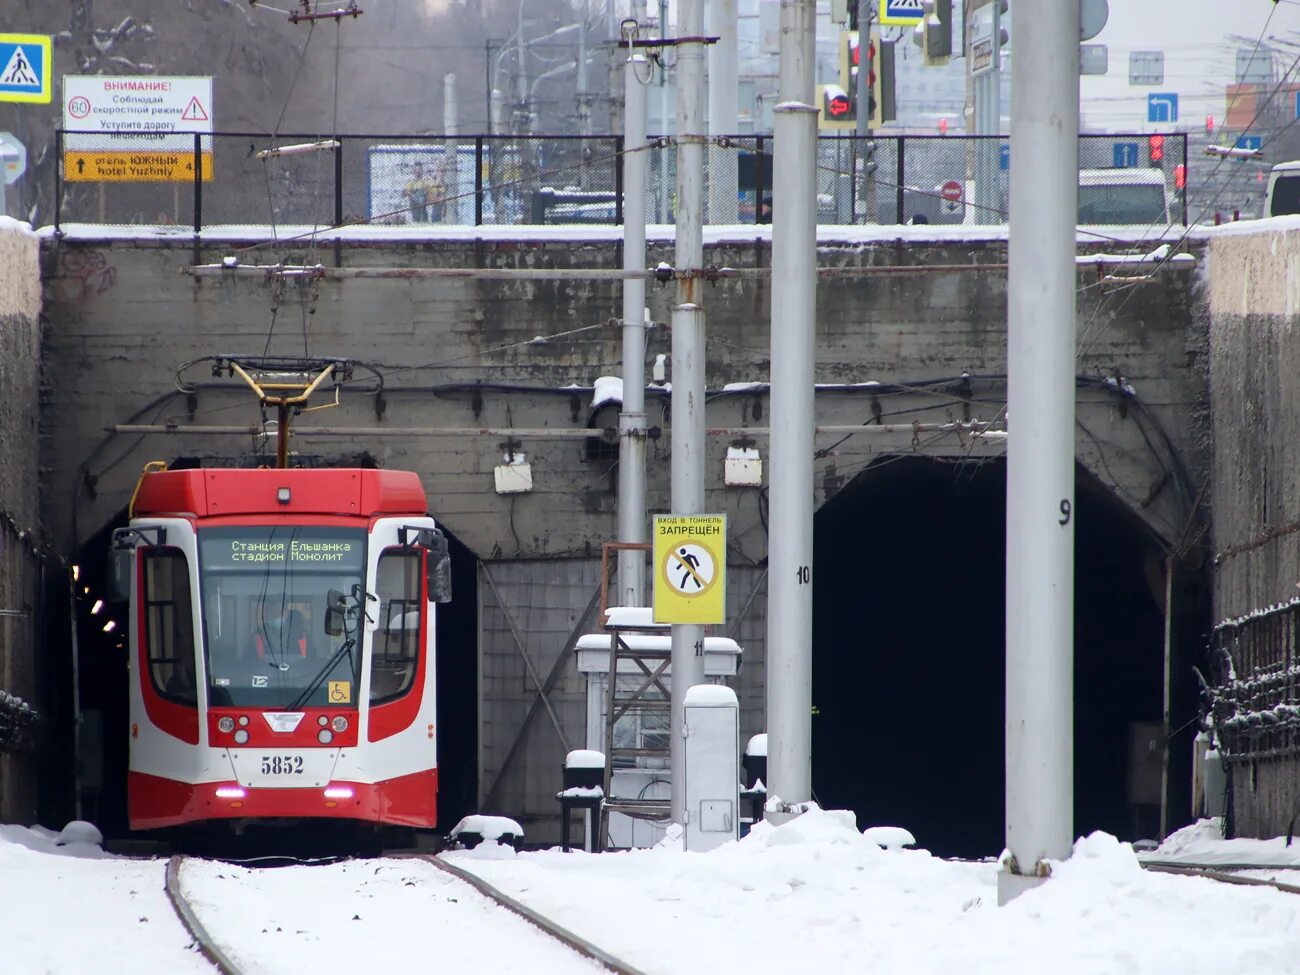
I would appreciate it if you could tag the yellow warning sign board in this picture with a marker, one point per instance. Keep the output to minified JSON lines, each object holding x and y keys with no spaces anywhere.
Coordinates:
{"x":690,"y":559}
{"x":134,"y":167}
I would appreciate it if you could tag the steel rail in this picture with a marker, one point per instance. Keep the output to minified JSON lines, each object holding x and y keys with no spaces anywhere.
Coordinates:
{"x":1216,"y":872}
{"x":206,"y":945}
{"x":561,"y":934}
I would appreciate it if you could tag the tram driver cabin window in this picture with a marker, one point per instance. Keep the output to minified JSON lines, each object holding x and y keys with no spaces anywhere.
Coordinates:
{"x":169,"y":625}
{"x":397,"y":641}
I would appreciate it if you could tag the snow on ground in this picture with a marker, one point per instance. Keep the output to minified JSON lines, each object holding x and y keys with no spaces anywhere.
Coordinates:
{"x":389,"y":916}
{"x":74,"y":909}
{"x":813,"y":895}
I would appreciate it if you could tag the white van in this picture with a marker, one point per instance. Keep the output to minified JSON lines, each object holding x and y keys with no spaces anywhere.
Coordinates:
{"x":1283,"y":194}
{"x":1124,"y":196}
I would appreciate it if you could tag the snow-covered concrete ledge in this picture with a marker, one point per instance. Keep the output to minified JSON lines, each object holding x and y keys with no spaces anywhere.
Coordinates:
{"x":830,"y":235}
{"x":20,"y":270}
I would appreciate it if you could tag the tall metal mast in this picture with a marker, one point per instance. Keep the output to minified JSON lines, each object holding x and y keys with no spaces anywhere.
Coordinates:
{"x":790,"y":502}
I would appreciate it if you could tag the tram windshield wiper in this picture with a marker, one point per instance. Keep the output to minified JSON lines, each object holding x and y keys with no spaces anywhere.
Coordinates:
{"x":310,"y":689}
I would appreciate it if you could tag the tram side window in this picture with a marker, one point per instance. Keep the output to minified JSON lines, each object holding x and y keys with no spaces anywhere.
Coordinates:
{"x":397,"y":647}
{"x":169,"y":625}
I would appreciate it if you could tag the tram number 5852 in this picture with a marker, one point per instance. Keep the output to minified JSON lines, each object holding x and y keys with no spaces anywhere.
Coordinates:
{"x":282,"y":765}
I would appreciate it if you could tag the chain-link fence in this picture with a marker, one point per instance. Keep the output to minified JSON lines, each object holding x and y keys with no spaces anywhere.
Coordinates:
{"x":308,"y":182}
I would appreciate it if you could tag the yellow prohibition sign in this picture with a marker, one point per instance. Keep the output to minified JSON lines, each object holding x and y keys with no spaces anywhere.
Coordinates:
{"x":690,"y":568}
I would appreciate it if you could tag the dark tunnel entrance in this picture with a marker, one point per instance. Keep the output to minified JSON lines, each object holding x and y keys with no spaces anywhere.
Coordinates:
{"x":101,"y":655}
{"x":908,"y":640}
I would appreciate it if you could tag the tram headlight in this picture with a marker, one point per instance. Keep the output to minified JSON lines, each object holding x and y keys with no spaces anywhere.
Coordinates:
{"x":243,"y":721}
{"x":225,"y":724}
{"x":241,"y":737}
{"x":340,"y":723}
{"x":325,"y":737}
{"x":322,"y":721}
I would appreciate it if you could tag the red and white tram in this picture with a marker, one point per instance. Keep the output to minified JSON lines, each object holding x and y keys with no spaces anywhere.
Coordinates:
{"x":282,"y":646}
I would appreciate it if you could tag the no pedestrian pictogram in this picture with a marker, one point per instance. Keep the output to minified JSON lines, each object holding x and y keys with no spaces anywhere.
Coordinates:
{"x":690,"y":568}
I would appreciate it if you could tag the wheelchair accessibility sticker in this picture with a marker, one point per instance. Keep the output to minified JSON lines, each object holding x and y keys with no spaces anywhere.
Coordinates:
{"x":340,"y":692}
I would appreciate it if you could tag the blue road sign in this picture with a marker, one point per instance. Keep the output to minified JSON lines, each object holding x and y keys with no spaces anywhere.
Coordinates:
{"x":1004,"y":155}
{"x":1253,"y":142}
{"x":1124,"y":155}
{"x":900,"y":12}
{"x":24,"y":68}
{"x":1162,"y":107}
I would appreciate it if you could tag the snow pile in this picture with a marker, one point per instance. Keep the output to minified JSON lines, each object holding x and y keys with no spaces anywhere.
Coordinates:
{"x":608,"y":389}
{"x":8,"y":225}
{"x":814,"y":894}
{"x":476,"y":831}
{"x":1203,"y":842}
{"x":67,"y":906}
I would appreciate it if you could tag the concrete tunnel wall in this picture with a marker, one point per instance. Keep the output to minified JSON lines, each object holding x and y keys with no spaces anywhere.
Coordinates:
{"x":1254,"y":300}
{"x":21,"y":540}
{"x":124,"y":316}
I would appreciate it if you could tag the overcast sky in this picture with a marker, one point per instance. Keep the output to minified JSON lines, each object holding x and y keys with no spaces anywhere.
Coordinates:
{"x":1200,"y":39}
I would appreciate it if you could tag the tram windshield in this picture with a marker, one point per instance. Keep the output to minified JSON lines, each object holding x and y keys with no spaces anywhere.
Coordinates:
{"x":264,"y":595}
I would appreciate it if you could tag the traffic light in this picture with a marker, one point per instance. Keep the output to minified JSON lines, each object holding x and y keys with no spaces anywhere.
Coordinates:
{"x":838,"y":105}
{"x":933,"y":33}
{"x":871,"y":74}
{"x":1180,"y":177}
{"x":1156,"y":151}
{"x":883,"y":107}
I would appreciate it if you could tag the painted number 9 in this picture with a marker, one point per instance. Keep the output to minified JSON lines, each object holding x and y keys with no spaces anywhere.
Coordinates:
{"x":1065,"y":512}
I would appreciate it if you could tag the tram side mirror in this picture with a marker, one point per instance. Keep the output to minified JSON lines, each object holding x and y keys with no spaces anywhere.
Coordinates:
{"x":334,"y":605}
{"x":439,"y":564}
{"x":440,"y":577}
{"x":121,"y":565}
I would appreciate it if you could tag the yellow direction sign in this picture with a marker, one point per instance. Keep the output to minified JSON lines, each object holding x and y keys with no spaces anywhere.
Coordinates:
{"x":134,"y":167}
{"x":690,"y":559}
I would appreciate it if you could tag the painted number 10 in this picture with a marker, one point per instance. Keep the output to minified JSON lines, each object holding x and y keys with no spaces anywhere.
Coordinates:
{"x":803,"y":574}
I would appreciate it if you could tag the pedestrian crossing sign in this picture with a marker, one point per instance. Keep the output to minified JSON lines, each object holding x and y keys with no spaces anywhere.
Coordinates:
{"x":25,"y":68}
{"x":690,"y":560}
{"x":902,"y":12}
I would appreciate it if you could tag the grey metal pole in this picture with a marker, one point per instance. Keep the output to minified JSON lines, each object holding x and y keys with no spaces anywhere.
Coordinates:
{"x":863,"y":118}
{"x":790,"y":488}
{"x":988,"y":122}
{"x":523,"y":113}
{"x":631,"y":421}
{"x":688,"y":439}
{"x":1040,"y":454}
{"x":451,"y":129}
{"x":724,"y":110}
{"x":866,"y":9}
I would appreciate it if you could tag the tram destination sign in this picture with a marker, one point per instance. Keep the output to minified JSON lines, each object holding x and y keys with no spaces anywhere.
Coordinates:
{"x":257,"y":552}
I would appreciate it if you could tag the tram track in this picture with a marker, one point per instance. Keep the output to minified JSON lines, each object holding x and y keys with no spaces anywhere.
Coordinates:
{"x":1226,"y":873}
{"x":220,"y":955}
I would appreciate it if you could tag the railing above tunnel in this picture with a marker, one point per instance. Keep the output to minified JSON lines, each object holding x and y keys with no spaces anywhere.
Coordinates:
{"x":387,"y":182}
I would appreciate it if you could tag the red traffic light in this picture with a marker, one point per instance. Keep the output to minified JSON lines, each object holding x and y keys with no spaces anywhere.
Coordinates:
{"x":1156,"y":146}
{"x":1180,"y":177}
{"x":838,"y":106}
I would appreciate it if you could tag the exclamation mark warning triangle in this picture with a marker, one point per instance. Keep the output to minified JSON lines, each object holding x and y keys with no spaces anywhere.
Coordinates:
{"x":194,"y":111}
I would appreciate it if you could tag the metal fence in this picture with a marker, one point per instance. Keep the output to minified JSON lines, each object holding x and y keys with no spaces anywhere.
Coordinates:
{"x":222,"y":180}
